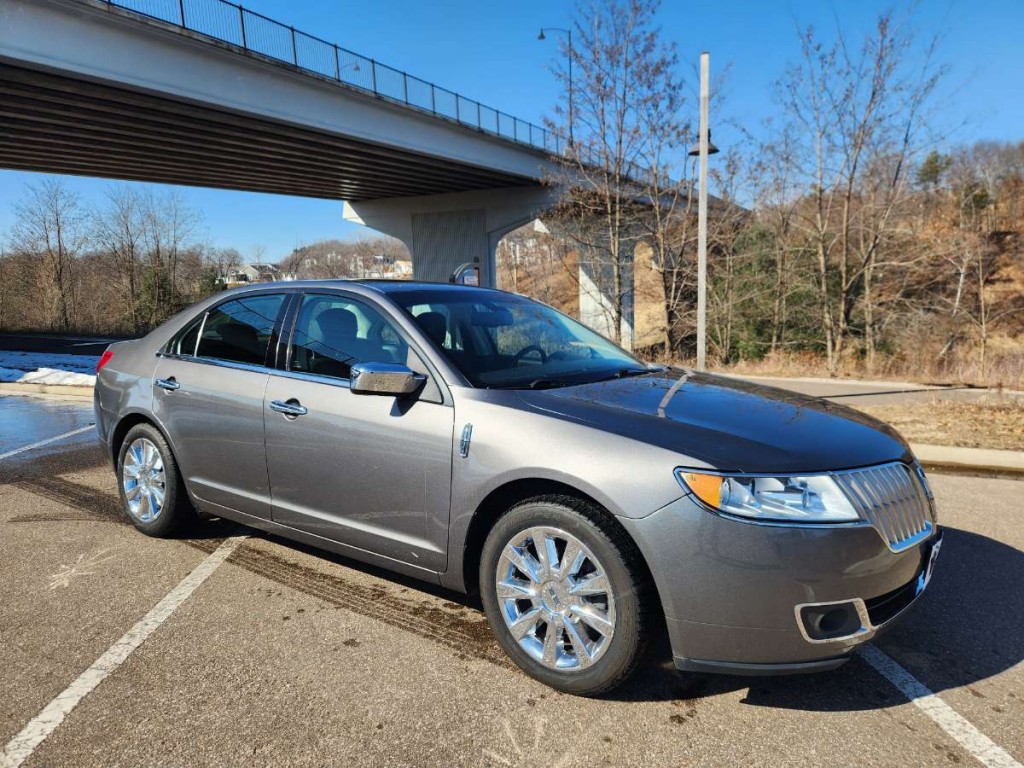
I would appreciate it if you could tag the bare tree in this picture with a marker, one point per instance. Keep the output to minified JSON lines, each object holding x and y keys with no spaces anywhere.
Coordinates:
{"x":169,"y":226}
{"x":623,"y":73}
{"x":118,"y":231}
{"x":860,"y":112}
{"x":50,"y":228}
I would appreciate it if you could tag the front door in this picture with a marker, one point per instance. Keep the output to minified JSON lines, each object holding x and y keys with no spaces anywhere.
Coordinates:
{"x":369,"y":471}
{"x":208,"y":395}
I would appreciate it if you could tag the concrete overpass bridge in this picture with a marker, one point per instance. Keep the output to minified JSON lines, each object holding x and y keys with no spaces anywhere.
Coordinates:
{"x":207,"y":93}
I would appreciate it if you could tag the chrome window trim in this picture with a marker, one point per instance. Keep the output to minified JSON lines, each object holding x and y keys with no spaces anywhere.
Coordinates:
{"x":313,"y":377}
{"x":216,"y":363}
{"x":199,"y":336}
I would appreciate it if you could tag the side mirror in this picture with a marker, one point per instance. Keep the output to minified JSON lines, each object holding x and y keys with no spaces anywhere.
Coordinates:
{"x":384,"y":379}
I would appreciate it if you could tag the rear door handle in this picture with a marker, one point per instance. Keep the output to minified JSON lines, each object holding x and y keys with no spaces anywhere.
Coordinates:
{"x":168,"y":384}
{"x":291,"y":408}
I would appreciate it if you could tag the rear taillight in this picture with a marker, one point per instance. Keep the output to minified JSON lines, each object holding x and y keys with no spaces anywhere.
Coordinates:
{"x":105,"y":358}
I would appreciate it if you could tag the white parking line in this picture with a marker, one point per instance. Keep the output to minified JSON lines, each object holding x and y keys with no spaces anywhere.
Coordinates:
{"x":47,"y":441}
{"x":948,"y":719}
{"x":42,"y":725}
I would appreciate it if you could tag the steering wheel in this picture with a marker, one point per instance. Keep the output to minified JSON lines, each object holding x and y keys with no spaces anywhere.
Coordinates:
{"x":527,"y":350}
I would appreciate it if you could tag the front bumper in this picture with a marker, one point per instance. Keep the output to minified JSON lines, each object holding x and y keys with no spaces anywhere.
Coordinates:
{"x":733,"y":591}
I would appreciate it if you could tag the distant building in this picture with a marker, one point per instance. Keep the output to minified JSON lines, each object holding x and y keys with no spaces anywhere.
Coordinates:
{"x":254,"y":273}
{"x":380,"y":266}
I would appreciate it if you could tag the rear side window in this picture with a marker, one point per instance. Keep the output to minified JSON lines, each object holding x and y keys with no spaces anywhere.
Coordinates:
{"x":239,"y":331}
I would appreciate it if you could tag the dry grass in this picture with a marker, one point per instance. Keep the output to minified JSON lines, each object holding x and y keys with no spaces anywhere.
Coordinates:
{"x":1004,"y":370}
{"x":994,"y":422}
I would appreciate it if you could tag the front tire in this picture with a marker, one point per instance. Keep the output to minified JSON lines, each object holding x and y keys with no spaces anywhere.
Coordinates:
{"x":152,"y":493}
{"x":566,"y":594}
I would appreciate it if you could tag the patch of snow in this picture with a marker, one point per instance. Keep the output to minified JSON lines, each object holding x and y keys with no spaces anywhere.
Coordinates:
{"x":47,"y":376}
{"x":31,"y":361}
{"x":44,"y":368}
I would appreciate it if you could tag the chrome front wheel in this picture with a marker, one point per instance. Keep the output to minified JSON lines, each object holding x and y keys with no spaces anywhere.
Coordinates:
{"x":564,"y":588}
{"x":555,"y":598}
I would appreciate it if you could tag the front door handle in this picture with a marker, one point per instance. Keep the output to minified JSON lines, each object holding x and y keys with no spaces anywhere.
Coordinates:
{"x":168,"y":384}
{"x":290,"y":408}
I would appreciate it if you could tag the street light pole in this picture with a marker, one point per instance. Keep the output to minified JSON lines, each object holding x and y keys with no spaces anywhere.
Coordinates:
{"x":702,"y":214}
{"x":567,"y":33}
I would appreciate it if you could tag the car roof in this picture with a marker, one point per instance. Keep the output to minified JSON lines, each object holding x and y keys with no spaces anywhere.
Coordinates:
{"x":377,"y":284}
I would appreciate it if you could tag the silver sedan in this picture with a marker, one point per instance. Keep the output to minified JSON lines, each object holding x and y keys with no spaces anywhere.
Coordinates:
{"x":485,"y":442}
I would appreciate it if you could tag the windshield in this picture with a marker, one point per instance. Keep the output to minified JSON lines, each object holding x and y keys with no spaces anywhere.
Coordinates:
{"x":506,"y":341}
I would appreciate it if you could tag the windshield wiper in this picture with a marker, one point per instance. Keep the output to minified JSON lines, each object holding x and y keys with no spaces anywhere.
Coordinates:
{"x":624,"y":373}
{"x":548,"y":383}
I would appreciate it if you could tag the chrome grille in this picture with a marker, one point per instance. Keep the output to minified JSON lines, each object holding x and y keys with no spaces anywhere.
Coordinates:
{"x":892,"y":499}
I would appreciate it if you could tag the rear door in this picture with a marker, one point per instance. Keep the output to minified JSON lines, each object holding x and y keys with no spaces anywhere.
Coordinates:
{"x":369,"y":471}
{"x":208,"y":395}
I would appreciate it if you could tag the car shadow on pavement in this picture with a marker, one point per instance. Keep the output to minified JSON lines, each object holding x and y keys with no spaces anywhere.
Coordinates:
{"x":968,"y":627}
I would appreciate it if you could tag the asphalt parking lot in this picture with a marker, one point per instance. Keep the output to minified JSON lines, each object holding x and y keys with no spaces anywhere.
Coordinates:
{"x":286,"y":655}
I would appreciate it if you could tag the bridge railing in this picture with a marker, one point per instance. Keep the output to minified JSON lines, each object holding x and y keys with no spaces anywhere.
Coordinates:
{"x":231,"y":23}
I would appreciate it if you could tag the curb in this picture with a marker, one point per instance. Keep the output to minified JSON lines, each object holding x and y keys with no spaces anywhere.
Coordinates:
{"x":908,"y":386}
{"x":56,"y":390}
{"x":837,"y":380}
{"x":982,"y":461}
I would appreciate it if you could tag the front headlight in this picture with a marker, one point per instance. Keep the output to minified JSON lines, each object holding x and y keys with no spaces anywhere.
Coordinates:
{"x":771,"y":498}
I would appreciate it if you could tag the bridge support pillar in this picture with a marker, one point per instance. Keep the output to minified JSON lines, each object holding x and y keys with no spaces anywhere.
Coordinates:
{"x":443,"y":232}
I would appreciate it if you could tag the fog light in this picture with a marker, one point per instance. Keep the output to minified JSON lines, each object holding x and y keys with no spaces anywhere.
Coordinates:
{"x":830,"y":621}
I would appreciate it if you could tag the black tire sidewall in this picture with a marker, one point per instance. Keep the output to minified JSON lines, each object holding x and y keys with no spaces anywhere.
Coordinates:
{"x":175,"y":513}
{"x":627,"y":643}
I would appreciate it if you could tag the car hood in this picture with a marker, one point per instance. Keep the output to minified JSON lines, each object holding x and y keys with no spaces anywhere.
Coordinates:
{"x":727,"y":423}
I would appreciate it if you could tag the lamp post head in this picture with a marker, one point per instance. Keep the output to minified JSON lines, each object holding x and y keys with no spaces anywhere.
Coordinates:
{"x":541,"y":35}
{"x":712,"y":149}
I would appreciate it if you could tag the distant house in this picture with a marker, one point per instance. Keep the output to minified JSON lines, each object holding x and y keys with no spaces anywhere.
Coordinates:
{"x":402,"y":269}
{"x":383,"y":265}
{"x":253,"y":273}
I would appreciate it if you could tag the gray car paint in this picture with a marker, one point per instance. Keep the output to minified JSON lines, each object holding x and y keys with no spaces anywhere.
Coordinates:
{"x":728,"y":588}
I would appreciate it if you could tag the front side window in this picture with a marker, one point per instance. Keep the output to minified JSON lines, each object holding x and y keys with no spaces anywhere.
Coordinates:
{"x":499,"y":340}
{"x":240,"y":331}
{"x":333,"y":332}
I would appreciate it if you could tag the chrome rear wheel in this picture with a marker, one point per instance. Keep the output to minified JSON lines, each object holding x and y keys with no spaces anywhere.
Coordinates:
{"x":143,"y":480}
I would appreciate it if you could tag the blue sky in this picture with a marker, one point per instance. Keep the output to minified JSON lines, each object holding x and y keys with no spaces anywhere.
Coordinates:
{"x":489,"y":51}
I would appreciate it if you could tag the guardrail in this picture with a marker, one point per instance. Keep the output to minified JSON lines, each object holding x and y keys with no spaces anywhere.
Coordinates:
{"x":231,"y":23}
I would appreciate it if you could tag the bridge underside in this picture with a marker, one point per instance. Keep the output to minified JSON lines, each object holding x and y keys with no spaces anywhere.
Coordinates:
{"x":61,"y":124}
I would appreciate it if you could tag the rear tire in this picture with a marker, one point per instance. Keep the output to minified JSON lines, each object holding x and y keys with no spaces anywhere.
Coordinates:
{"x":152,"y":492}
{"x":574,"y":611}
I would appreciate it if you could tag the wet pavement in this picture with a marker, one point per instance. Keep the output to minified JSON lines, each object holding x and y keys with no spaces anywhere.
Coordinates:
{"x":25,"y":420}
{"x":290,"y":656}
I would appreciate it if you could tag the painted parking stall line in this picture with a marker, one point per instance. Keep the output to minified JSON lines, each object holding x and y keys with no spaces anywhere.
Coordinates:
{"x":47,"y":441}
{"x":986,"y":751}
{"x":21,"y":747}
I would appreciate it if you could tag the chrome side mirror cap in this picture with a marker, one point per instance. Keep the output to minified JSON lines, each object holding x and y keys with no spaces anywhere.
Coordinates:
{"x":384,"y":379}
